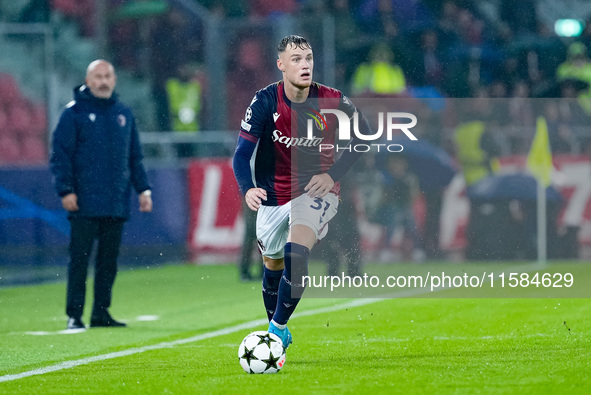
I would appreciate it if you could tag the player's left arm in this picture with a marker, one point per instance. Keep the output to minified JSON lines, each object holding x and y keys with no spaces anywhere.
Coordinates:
{"x":321,"y":184}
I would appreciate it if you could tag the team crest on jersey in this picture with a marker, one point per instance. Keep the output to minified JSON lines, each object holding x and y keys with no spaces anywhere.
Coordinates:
{"x":121,"y":120}
{"x":319,"y":119}
{"x":248,"y":114}
{"x":92,"y":117}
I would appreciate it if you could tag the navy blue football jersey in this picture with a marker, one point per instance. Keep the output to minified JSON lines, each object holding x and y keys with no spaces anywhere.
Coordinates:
{"x":286,"y":158}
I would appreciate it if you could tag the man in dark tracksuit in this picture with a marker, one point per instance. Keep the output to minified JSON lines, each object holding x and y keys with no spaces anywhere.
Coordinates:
{"x":96,"y":159}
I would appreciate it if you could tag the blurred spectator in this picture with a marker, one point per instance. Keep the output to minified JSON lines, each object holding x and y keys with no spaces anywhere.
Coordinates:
{"x":521,"y":118}
{"x":185,"y":98}
{"x":381,"y":75}
{"x":447,"y":23}
{"x":477,"y":153}
{"x":469,"y":28}
{"x":429,"y":65}
{"x":577,"y":67}
{"x":585,"y":37}
{"x":80,"y":11}
{"x":535,"y":72}
{"x":520,"y":16}
{"x":37,"y":11}
{"x":449,"y":38}
{"x":351,"y":42}
{"x":471,"y":54}
{"x":273,"y":8}
{"x":377,"y":17}
{"x":570,"y":108}
{"x":249,"y":71}
{"x":249,"y":242}
{"x":560,"y":132}
{"x":431,"y":170}
{"x":577,"y":64}
{"x":497,"y":90}
{"x":512,"y":72}
{"x":229,"y":8}
{"x":395,"y":209}
{"x":569,"y":88}
{"x":459,"y":25}
{"x":124,"y":36}
{"x":384,"y":17}
{"x":174,"y":41}
{"x":341,"y":248}
{"x":477,"y":149}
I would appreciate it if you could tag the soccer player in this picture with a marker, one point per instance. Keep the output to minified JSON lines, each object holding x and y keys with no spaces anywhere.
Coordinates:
{"x":293,"y":180}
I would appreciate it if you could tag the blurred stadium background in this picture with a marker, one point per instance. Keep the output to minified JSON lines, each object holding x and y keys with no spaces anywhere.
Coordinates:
{"x":189,"y":69}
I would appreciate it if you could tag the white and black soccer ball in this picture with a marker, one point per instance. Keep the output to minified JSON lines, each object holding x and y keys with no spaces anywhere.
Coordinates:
{"x":261,"y":352}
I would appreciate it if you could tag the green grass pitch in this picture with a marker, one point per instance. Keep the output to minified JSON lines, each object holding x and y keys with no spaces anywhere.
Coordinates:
{"x":450,"y":342}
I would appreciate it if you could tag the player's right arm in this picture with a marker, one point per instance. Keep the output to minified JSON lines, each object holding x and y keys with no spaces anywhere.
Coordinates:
{"x":251,"y":129}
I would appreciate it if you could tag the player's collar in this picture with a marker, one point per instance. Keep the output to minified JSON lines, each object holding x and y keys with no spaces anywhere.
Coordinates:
{"x":312,"y":93}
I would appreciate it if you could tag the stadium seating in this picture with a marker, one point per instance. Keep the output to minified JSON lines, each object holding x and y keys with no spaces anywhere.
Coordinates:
{"x":23,"y":126}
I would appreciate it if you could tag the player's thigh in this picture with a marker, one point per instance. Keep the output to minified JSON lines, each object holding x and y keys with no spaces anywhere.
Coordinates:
{"x":272,"y":227}
{"x":314,"y":212}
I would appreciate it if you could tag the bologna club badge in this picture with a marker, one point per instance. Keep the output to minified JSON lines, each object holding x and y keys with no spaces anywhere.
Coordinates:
{"x":122,"y":120}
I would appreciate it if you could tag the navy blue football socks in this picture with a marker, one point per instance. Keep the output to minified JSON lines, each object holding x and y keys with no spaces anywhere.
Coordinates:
{"x":291,"y":286}
{"x":271,"y":279}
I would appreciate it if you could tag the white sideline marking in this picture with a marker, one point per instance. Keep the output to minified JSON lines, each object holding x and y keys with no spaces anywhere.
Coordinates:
{"x":203,"y":336}
{"x":148,"y":318}
{"x":45,"y":333}
{"x":82,"y":330}
{"x":38,"y":333}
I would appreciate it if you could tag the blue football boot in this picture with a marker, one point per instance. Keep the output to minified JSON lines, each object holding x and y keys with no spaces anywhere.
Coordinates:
{"x":284,"y":334}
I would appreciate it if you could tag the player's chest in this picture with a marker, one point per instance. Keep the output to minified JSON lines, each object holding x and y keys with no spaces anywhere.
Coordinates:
{"x":300,"y":122}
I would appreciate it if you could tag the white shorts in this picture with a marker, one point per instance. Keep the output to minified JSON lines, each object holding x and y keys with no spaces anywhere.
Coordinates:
{"x":273,"y":222}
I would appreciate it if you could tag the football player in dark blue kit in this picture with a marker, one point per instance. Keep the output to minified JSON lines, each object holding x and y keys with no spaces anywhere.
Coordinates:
{"x":289,"y":176}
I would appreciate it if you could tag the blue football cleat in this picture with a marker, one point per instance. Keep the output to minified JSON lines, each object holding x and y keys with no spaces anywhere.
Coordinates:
{"x":284,"y":334}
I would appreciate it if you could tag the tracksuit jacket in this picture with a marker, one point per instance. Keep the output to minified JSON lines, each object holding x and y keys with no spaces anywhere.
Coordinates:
{"x":97,"y":155}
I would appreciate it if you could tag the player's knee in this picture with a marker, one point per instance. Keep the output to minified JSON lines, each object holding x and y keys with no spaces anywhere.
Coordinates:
{"x":274,"y":264}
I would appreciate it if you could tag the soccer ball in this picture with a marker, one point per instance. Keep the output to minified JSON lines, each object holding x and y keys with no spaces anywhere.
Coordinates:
{"x":261,"y":352}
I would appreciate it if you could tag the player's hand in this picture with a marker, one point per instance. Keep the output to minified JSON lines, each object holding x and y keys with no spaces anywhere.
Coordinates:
{"x":254,"y":197}
{"x":319,"y":185}
{"x":145,"y":203}
{"x":70,"y":202}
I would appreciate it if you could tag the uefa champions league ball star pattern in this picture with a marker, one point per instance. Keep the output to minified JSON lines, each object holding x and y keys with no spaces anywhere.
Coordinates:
{"x":261,"y":352}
